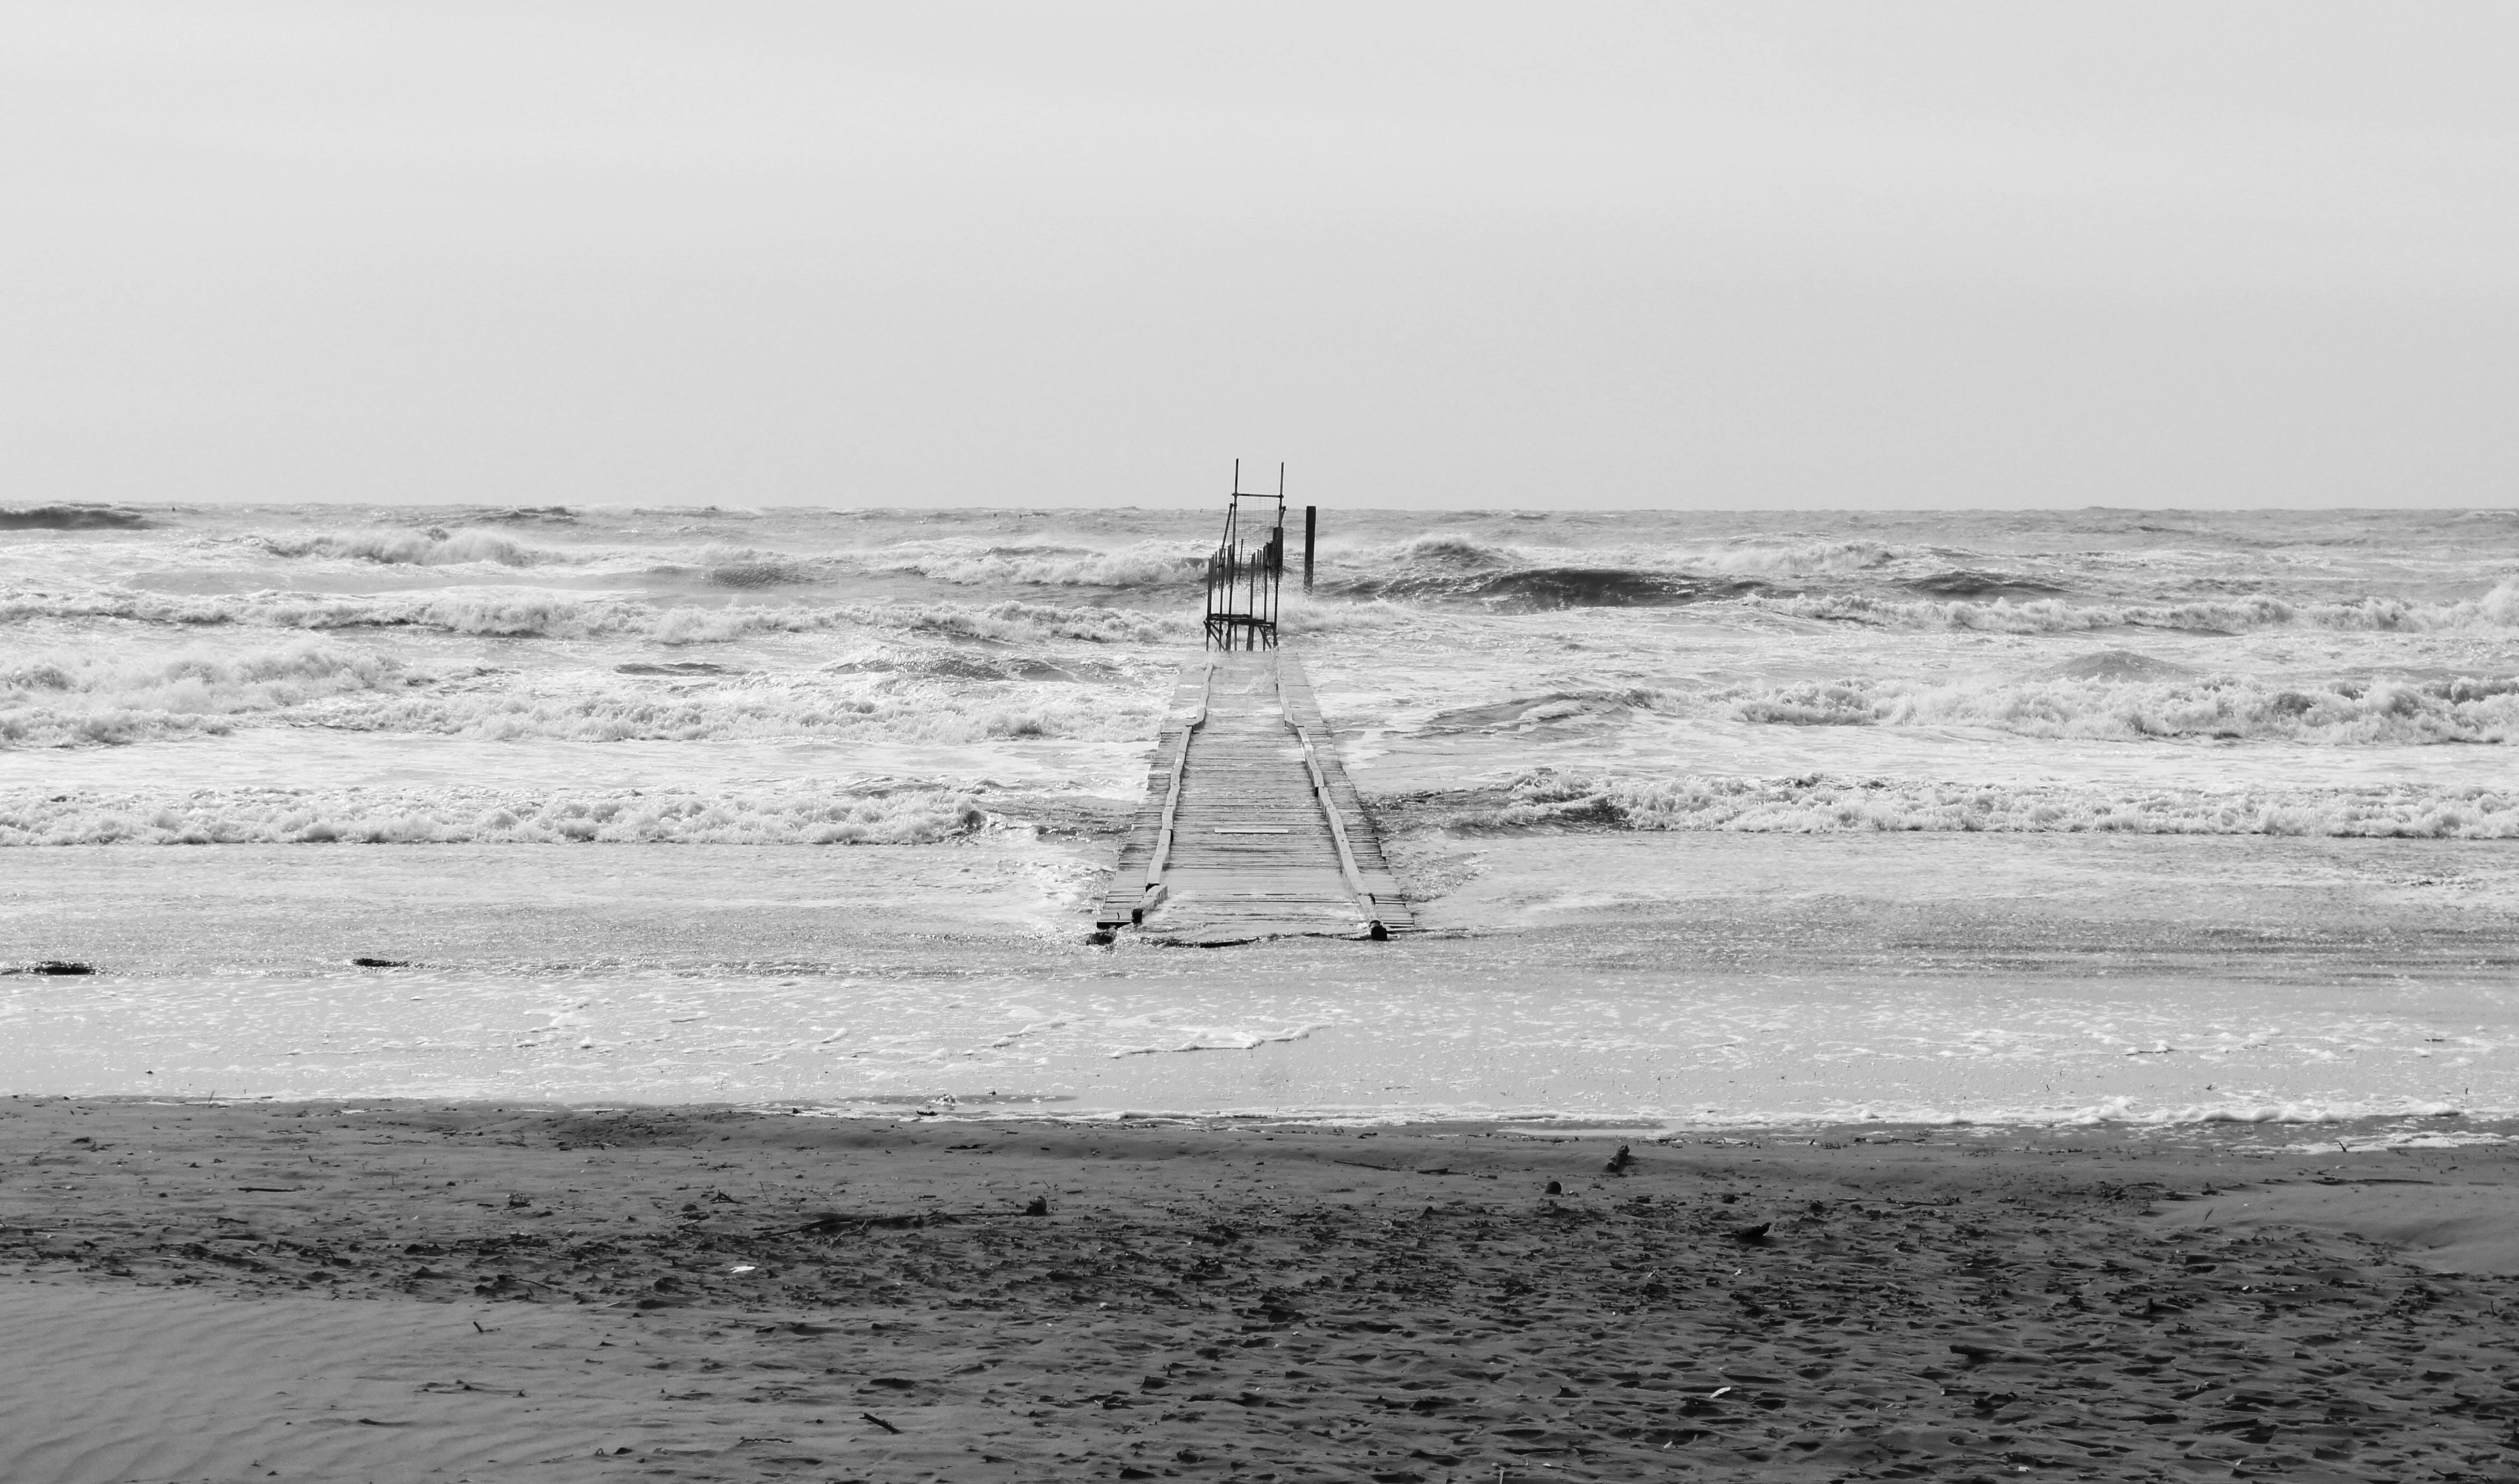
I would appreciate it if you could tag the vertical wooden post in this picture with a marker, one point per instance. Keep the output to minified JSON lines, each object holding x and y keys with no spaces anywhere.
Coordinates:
{"x":1312,"y":519}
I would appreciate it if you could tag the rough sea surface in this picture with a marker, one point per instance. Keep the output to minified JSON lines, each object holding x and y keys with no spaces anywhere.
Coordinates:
{"x":2123,"y":814}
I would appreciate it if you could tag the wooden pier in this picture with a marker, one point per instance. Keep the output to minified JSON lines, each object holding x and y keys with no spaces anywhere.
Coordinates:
{"x":1250,"y":828}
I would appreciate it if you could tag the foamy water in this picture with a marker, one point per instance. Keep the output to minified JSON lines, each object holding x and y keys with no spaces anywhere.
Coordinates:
{"x":589,"y":678}
{"x":1732,"y":980}
{"x":1686,"y":1051}
{"x":2326,"y":673}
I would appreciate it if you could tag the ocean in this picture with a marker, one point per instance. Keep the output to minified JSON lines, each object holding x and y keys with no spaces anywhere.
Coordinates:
{"x":1715,"y":818}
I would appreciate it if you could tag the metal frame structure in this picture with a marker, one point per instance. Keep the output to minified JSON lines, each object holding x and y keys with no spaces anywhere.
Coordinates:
{"x":1244,"y":572}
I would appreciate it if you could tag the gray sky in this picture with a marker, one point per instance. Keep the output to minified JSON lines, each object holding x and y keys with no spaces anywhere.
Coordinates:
{"x":1566,"y":255}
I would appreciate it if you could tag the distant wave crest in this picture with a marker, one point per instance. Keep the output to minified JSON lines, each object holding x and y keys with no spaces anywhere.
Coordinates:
{"x":1769,"y":558}
{"x":519,"y":613}
{"x":71,"y":518}
{"x":1141,"y":564}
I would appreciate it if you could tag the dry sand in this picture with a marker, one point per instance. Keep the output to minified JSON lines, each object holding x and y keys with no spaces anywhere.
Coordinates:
{"x":404,"y":1291}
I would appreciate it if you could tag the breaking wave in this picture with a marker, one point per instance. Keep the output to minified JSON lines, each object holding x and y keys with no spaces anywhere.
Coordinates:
{"x":432,"y":548}
{"x":794,"y":814}
{"x":2497,"y":609}
{"x":2114,"y":696}
{"x":742,"y":567}
{"x":83,"y":701}
{"x":1449,"y":567}
{"x":72,"y":702}
{"x":1819,"y":803}
{"x":1558,"y":707}
{"x":887,"y":709}
{"x":2227,"y":708}
{"x":1760,"y":557}
{"x":1444,"y":549}
{"x":1532,"y":589}
{"x":1965,"y":582}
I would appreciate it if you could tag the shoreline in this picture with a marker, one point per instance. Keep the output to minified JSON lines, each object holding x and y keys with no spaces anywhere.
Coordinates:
{"x":2417,"y":1128}
{"x":703,"y":1293}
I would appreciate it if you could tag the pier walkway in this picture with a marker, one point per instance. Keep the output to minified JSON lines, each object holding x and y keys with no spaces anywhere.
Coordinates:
{"x":1250,"y":828}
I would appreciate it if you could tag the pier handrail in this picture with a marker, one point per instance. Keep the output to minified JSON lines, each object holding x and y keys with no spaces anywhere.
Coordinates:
{"x":1347,"y":872}
{"x":1172,"y":800}
{"x":1338,"y":830}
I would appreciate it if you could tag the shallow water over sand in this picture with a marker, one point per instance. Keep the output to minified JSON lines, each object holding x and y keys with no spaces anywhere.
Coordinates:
{"x":1679,"y":979}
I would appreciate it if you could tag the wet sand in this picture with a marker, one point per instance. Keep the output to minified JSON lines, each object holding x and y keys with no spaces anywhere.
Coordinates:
{"x":467,"y":1290}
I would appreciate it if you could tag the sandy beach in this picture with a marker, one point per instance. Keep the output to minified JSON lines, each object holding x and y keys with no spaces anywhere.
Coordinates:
{"x":376,"y":1290}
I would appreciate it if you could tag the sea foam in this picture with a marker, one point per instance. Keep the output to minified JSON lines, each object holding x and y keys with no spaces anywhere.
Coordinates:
{"x":2495,"y":609}
{"x":518,"y":613}
{"x":792,"y":814}
{"x":2129,"y":700}
{"x":2381,"y":711}
{"x":1821,"y":804}
{"x":73,"y":700}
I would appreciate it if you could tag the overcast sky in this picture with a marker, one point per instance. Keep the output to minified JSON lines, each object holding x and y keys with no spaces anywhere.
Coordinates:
{"x":1545,"y":256}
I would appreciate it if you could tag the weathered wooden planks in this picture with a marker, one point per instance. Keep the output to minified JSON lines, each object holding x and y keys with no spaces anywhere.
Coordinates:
{"x":1250,"y":827}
